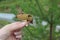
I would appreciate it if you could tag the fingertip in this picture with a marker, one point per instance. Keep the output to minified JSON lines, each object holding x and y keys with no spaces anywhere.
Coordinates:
{"x":15,"y":26}
{"x":21,"y":24}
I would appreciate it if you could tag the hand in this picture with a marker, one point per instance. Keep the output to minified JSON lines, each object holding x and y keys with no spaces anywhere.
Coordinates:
{"x":12,"y":31}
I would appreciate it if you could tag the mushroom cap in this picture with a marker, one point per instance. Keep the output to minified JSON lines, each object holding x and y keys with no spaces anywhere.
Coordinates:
{"x":27,"y":17}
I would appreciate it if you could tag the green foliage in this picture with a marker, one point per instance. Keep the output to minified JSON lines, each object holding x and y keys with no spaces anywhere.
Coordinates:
{"x":44,"y":9}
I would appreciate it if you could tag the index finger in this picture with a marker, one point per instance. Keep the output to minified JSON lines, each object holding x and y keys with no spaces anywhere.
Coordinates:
{"x":15,"y":26}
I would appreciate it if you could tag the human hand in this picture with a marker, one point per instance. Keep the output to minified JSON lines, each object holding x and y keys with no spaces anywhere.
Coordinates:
{"x":12,"y":31}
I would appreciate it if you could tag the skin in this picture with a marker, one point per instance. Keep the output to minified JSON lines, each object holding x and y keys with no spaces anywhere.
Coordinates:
{"x":12,"y":31}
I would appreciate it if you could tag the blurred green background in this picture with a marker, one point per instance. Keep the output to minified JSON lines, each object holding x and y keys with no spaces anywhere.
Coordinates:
{"x":45,"y":13}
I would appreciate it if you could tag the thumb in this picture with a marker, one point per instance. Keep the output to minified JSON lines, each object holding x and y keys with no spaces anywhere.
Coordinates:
{"x":14,"y":26}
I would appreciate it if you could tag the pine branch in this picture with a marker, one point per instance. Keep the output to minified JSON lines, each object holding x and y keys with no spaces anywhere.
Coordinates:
{"x":32,"y":33}
{"x":40,"y":8}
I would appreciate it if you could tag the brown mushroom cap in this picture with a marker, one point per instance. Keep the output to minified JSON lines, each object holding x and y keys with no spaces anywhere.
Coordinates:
{"x":27,"y":17}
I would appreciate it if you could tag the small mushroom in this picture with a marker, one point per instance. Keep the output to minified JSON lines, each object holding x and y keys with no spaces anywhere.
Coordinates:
{"x":26,"y":17}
